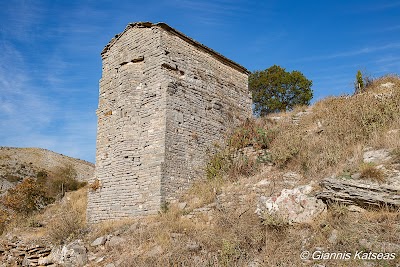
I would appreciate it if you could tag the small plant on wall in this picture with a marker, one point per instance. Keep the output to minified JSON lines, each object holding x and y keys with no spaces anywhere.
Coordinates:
{"x":95,"y":185}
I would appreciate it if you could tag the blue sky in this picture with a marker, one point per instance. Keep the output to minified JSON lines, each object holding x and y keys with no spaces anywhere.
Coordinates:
{"x":50,"y":60}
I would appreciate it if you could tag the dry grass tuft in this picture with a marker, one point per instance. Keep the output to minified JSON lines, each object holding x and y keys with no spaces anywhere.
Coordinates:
{"x":371,"y":172}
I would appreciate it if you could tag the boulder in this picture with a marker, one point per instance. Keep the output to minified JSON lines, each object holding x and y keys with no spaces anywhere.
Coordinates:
{"x":360,"y":192}
{"x":376,"y":156}
{"x":99,"y":241}
{"x":73,"y":254}
{"x":295,"y":205}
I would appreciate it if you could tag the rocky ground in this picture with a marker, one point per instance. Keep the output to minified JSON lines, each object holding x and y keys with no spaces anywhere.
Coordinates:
{"x":274,"y":200}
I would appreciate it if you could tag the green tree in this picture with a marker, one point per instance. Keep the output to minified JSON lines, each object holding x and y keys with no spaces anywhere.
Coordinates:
{"x":275,"y":89}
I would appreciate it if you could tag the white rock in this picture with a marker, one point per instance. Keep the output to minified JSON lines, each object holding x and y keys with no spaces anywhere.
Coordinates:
{"x":294,"y":205}
{"x":182,"y":205}
{"x":376,"y":156}
{"x":99,"y":241}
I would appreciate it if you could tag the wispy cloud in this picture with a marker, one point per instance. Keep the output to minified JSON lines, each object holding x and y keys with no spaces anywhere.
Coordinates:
{"x":211,"y":12}
{"x":23,"y":108}
{"x":21,"y":18}
{"x":32,"y":118}
{"x":391,"y":28}
{"x":220,"y":7}
{"x":351,"y":53}
{"x":383,"y":6}
{"x":376,"y":6}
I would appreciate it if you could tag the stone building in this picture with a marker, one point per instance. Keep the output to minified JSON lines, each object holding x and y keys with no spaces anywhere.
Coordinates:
{"x":164,"y":100}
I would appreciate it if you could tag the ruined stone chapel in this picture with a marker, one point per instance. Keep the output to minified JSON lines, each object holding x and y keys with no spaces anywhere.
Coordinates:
{"x":164,"y":99}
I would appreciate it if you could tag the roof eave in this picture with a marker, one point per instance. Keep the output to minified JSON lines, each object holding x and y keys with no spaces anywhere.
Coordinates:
{"x":193,"y":42}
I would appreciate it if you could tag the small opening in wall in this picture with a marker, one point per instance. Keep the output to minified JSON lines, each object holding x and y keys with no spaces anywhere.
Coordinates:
{"x":126,"y":157}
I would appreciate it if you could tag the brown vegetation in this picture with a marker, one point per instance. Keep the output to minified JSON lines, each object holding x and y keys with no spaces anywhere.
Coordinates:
{"x":218,"y":226}
{"x":34,"y":194}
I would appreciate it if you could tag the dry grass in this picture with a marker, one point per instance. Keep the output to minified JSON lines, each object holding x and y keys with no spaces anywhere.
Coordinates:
{"x":371,"y":172}
{"x":68,"y":220}
{"x":337,"y":129}
{"x":203,"y":192}
{"x":370,"y":231}
{"x":235,"y":239}
{"x":227,"y":232}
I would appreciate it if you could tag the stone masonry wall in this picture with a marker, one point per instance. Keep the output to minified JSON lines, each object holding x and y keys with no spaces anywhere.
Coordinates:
{"x":163,"y":100}
{"x":131,"y":128}
{"x":205,"y":97}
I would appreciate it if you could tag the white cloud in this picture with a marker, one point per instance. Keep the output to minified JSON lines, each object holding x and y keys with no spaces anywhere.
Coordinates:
{"x":351,"y":53}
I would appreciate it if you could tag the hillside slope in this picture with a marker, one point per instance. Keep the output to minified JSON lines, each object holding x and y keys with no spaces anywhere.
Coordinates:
{"x":258,"y":203}
{"x":19,"y":163}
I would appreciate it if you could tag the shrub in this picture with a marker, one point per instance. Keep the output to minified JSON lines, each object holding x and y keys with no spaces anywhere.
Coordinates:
{"x":64,"y":180}
{"x":66,"y":227}
{"x":232,"y":165}
{"x":218,"y":165}
{"x":242,"y":165}
{"x":41,"y":175}
{"x":231,"y":159}
{"x":26,"y":197}
{"x":70,"y":220}
{"x":359,"y":83}
{"x":275,"y":221}
{"x":395,"y":154}
{"x":251,"y":133}
{"x":229,"y":254}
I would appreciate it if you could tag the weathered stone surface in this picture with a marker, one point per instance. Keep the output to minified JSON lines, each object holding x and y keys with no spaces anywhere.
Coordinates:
{"x":376,"y":156}
{"x":182,"y":205}
{"x":99,"y":241}
{"x":354,"y":208}
{"x":73,"y":254}
{"x":164,"y":100}
{"x":333,"y":237}
{"x":379,"y":246}
{"x":295,"y":205}
{"x":193,"y":246}
{"x":115,"y":241}
{"x":362,"y":193}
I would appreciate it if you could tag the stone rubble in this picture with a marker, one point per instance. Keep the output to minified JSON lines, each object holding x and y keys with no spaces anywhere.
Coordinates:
{"x":18,"y":253}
